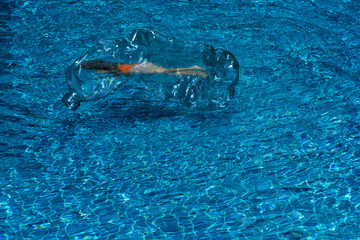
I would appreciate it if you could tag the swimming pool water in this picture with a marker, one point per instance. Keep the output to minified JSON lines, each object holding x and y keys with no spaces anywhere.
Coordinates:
{"x":280,"y":162}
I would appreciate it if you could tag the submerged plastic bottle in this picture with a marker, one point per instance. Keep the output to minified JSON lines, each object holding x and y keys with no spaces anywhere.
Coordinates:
{"x":145,"y":45}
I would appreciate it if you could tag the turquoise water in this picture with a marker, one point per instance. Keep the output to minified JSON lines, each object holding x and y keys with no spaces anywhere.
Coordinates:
{"x":280,"y":162}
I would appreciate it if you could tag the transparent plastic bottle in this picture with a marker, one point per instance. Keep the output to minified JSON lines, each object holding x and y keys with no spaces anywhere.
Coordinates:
{"x":147,"y":45}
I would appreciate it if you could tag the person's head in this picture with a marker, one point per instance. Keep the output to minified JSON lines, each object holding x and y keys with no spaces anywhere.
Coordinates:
{"x":100,"y":65}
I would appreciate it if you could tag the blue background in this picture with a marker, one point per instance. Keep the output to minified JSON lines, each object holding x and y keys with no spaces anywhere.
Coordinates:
{"x":280,"y":162}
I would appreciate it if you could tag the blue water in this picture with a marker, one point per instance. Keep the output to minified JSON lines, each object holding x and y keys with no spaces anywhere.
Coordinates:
{"x":282,"y":161}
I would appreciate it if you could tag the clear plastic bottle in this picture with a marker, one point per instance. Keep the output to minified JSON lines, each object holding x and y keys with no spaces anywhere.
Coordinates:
{"x":209,"y":92}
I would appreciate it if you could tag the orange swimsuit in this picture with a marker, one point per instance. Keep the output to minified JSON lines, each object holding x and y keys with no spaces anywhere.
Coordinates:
{"x":124,"y":68}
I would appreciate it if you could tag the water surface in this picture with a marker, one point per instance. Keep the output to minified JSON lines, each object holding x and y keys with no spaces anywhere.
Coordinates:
{"x":281,"y":162}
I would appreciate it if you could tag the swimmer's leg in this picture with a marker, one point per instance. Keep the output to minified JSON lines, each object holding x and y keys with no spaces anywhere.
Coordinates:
{"x":150,"y":68}
{"x":190,"y":68}
{"x":201,"y":74}
{"x":190,"y":71}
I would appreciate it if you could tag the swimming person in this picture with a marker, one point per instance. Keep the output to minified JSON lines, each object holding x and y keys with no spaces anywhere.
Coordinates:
{"x":194,"y":75}
{"x":141,"y":68}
